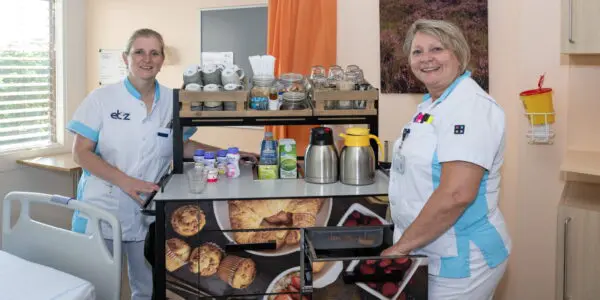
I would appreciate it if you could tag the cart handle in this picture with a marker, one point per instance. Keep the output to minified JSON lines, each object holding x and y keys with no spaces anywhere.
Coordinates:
{"x":161,"y":183}
{"x":271,"y":245}
{"x":352,"y":277}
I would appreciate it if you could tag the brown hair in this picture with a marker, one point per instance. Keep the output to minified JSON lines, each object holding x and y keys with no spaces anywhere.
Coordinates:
{"x":145,"y":32}
{"x":449,"y":35}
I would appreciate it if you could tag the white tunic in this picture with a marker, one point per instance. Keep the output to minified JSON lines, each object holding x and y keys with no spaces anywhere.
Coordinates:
{"x":464,"y":124}
{"x":129,"y":138}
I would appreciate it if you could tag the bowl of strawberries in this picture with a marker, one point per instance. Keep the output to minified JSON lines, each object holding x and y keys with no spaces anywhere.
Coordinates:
{"x":359,"y":215}
{"x":286,"y":286}
{"x":396,"y":273}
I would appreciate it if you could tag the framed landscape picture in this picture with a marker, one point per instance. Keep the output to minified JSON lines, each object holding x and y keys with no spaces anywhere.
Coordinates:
{"x":396,"y":16}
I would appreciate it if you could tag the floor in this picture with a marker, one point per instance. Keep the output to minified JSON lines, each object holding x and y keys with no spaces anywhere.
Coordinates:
{"x":125,"y":291}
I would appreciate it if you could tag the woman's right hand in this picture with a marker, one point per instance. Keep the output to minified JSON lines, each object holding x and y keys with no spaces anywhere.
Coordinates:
{"x":135,"y":187}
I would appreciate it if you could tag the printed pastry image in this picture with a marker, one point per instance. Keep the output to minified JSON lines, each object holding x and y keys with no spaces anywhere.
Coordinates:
{"x":206,"y":259}
{"x":177,"y":253}
{"x":237,"y":271}
{"x":284,"y":213}
{"x":188,"y":220}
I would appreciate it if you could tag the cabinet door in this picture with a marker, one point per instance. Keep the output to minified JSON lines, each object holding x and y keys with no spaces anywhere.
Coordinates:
{"x":578,"y":266}
{"x":580,"y":23}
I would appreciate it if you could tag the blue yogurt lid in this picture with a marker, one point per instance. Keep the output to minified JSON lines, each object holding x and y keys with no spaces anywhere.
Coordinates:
{"x":233,"y":150}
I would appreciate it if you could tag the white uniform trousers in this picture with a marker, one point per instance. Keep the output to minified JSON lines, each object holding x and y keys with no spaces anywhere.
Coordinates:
{"x":139,"y":271}
{"x":480,"y":286}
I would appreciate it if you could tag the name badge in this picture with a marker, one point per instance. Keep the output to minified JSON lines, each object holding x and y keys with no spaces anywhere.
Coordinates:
{"x":399,"y":163}
{"x":164,"y":132}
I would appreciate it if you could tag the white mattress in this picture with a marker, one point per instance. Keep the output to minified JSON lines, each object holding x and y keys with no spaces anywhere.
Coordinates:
{"x":21,"y":279}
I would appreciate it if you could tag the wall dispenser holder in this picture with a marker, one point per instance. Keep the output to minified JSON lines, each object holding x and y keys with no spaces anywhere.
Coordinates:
{"x":539,"y":110}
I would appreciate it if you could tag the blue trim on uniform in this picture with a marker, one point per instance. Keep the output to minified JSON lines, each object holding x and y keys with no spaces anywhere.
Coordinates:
{"x":450,"y":88}
{"x":472,"y":226}
{"x":187,"y":134}
{"x":135,"y":93}
{"x":79,"y":224}
{"x":482,"y":232}
{"x":84,"y":130}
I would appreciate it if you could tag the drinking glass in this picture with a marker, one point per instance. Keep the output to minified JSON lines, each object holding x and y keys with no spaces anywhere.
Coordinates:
{"x":197,"y":179}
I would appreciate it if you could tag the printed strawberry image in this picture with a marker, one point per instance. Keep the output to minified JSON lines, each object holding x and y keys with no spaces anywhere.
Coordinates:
{"x":389,"y":289}
{"x":395,"y":267}
{"x":296,"y":282}
{"x":356,"y":219}
{"x":401,"y":260}
{"x":367,"y":269}
{"x":385,"y":262}
{"x":350,"y":223}
{"x":375,"y":222}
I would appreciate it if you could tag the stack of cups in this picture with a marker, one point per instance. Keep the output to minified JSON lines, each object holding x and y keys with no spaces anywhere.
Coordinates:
{"x":194,"y":87}
{"x":192,"y":74}
{"x":211,"y":75}
{"x":212,"y":105}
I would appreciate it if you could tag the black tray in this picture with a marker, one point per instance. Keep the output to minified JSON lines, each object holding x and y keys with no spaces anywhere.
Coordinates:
{"x":268,"y":267}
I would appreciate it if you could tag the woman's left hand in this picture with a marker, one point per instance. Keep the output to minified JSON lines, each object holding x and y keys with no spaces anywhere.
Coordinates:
{"x":392,"y":251}
{"x":250,"y":155}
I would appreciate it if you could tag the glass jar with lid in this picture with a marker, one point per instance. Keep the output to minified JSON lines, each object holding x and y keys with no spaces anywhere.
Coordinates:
{"x":293,"y":82}
{"x":259,"y":94}
{"x":294,"y":101}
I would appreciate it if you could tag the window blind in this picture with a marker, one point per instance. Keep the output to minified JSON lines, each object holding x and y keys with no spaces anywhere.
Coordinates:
{"x":27,"y":74}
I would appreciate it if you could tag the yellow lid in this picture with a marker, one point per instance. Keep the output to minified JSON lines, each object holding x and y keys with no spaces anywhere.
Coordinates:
{"x":359,"y":137}
{"x":357,"y":131}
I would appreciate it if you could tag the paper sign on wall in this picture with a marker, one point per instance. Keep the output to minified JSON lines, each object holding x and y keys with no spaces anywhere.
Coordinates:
{"x":217,"y":58}
{"x":111,"y":65}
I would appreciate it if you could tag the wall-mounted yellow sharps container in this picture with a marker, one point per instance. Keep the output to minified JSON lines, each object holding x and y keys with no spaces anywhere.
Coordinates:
{"x":538,"y":104}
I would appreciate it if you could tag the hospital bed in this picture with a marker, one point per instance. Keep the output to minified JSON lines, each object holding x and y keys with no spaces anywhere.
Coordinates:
{"x":40,"y":261}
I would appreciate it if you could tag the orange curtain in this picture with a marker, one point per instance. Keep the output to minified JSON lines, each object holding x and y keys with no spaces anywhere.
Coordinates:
{"x":301,"y":34}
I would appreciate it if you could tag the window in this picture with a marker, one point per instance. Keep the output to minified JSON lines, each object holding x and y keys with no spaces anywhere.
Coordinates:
{"x":27,"y":74}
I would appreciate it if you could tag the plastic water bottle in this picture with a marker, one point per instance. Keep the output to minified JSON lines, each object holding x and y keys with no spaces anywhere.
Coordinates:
{"x":199,"y":158}
{"x":268,"y":150}
{"x":233,"y":162}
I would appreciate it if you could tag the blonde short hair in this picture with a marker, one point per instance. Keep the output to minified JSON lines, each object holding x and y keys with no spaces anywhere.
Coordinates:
{"x":145,"y":32}
{"x":449,"y":35}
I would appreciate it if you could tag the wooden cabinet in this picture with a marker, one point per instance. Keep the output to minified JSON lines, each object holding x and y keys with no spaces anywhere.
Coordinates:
{"x":578,"y":243}
{"x":580,"y":32}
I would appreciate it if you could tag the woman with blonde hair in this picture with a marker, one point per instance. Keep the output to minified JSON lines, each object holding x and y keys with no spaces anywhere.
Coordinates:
{"x":124,"y":143}
{"x":445,"y":176}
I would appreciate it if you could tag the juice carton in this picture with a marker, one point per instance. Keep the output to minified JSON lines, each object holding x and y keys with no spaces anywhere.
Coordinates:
{"x":288,"y":159}
{"x":267,"y":171}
